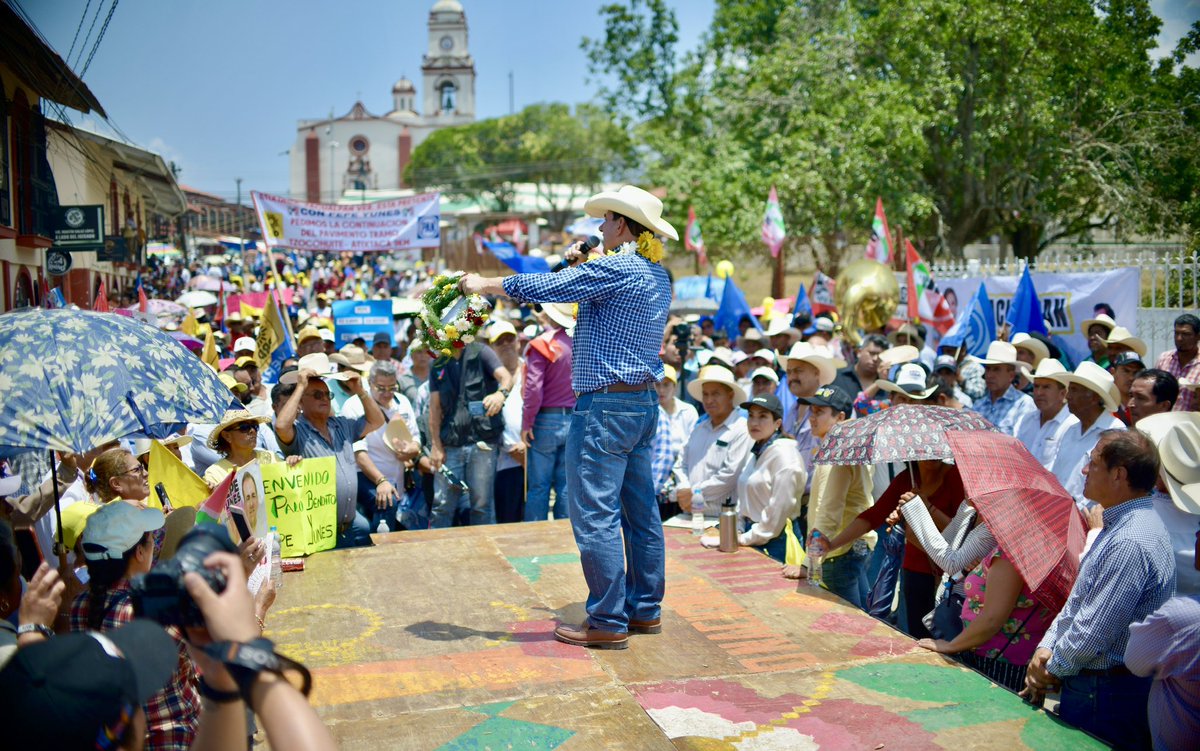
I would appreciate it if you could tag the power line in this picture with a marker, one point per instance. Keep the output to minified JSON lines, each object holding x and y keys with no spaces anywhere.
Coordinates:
{"x":112,"y":9}
{"x":77,"y":28}
{"x":87,"y":36}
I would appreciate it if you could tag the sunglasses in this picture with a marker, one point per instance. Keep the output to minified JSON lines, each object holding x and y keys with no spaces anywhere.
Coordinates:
{"x":245,"y":427}
{"x":138,"y":470}
{"x":321,"y":396}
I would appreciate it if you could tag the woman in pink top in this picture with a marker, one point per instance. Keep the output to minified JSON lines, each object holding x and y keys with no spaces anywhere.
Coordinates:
{"x":1003,"y":623}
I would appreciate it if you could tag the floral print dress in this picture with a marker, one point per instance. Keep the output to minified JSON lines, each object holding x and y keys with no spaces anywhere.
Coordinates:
{"x":1026,"y":625}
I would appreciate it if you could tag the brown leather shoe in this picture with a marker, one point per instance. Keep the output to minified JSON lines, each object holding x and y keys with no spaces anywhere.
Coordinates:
{"x":586,"y":636}
{"x":645,"y":627}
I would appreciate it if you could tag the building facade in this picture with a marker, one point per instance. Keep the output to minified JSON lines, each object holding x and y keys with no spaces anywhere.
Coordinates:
{"x":362,"y":151}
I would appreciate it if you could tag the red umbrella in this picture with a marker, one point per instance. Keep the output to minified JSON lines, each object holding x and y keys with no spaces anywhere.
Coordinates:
{"x":904,"y":433}
{"x":1033,"y":519}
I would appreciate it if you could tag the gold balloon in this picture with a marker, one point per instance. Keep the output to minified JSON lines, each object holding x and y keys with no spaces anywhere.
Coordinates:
{"x":867,"y":294}
{"x":724,"y":269}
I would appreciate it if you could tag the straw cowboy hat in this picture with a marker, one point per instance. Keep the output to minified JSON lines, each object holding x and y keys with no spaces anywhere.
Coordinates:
{"x":1026,"y":342}
{"x":231,"y":418}
{"x":909,"y":330}
{"x":635,"y":203}
{"x":1049,"y":369}
{"x":1000,"y":353}
{"x":890,"y":358}
{"x":1124,"y":337}
{"x":562,"y":314}
{"x":318,"y":362}
{"x":910,"y":381}
{"x":819,"y":357}
{"x":781,"y":325}
{"x":1092,"y":376}
{"x":353,"y":357}
{"x":716,"y":374}
{"x":1102,"y":319}
{"x":1177,"y":435}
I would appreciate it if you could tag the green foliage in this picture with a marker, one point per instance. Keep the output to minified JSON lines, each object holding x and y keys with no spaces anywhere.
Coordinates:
{"x":543,"y":144}
{"x":1040,"y":120}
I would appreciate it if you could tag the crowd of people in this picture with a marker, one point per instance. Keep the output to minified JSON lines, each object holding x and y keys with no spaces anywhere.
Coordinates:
{"x":482,"y":437}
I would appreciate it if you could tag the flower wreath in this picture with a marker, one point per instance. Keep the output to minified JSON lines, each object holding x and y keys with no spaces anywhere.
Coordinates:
{"x":647,"y":246}
{"x":470,"y":313}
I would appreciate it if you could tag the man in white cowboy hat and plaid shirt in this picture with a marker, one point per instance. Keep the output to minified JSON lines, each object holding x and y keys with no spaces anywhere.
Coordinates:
{"x":1003,"y":405}
{"x":623,"y":302}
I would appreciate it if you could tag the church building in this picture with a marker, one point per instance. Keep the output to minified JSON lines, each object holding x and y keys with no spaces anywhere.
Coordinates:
{"x":333,"y":157}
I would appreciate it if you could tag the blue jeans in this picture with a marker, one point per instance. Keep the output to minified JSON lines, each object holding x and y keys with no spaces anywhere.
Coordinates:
{"x":478,"y":469}
{"x":614,"y":514}
{"x":846,"y":575}
{"x":408,"y":512}
{"x":546,"y":466}
{"x":357,"y":535}
{"x":366,"y":506}
{"x":1112,"y":707}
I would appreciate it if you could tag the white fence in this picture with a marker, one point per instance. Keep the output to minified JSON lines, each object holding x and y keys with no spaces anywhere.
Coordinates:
{"x":1170,"y":281}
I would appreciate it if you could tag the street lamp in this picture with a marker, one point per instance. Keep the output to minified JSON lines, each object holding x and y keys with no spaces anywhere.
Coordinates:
{"x":332,"y":145}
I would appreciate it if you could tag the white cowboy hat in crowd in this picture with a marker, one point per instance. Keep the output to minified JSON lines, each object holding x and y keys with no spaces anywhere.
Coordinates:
{"x":1049,"y":369}
{"x":632,"y":202}
{"x":716,"y":374}
{"x":1036,"y":347}
{"x":1000,"y":353}
{"x":319,"y":363}
{"x":1123,"y":336}
{"x":1092,"y":376}
{"x":354,"y":357}
{"x":894,"y":356}
{"x":1177,"y":435}
{"x":141,"y":446}
{"x":819,"y":357}
{"x":781,"y":325}
{"x":1103,"y":319}
{"x":561,"y":313}
{"x":910,"y":381}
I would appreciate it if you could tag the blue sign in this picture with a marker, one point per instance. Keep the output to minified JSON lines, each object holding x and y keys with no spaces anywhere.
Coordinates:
{"x":365,"y":318}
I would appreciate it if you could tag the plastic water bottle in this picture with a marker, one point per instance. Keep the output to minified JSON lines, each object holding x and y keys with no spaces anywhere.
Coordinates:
{"x":276,"y":563}
{"x":816,"y":554}
{"x":697,"y":523}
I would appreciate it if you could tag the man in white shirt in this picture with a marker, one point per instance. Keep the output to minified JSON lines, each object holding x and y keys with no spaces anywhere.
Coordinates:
{"x":717,"y":447}
{"x":1042,"y":431}
{"x":381,"y":461}
{"x":1092,"y":397}
{"x":1177,"y":496}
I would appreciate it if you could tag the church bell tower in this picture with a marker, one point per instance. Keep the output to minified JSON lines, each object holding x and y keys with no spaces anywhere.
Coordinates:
{"x":448,"y":72}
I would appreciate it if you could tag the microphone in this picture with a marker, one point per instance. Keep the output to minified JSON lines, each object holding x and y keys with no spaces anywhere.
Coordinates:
{"x":588,"y":244}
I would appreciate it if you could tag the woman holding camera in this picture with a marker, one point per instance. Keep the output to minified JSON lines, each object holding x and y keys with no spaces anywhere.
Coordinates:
{"x":117,"y":546}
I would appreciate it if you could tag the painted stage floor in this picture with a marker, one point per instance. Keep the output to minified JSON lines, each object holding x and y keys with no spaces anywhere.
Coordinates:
{"x":443,"y":640}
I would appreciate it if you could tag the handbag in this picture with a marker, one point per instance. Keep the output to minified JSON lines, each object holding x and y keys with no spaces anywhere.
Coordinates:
{"x":945,"y":620}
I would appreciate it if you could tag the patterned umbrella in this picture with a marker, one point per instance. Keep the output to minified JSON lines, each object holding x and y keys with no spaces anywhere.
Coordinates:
{"x":904,"y":433}
{"x":1034,"y":520}
{"x":74,"y":379}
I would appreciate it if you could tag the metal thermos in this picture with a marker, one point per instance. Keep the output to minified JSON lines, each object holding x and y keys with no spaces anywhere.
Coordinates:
{"x":728,"y":527}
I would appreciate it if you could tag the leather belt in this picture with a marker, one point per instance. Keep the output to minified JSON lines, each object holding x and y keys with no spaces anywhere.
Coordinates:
{"x":625,"y":388}
{"x":556,"y":410}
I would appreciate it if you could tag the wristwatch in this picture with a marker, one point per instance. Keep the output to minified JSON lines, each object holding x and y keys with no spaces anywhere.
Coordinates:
{"x":35,"y":628}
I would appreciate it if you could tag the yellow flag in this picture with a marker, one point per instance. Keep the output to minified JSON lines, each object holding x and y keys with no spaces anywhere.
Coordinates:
{"x":184,"y":487}
{"x":190,"y":325}
{"x":249,"y":311}
{"x":210,"y":355}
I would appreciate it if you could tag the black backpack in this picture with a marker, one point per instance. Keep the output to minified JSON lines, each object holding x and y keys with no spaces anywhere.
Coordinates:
{"x":467,"y":377}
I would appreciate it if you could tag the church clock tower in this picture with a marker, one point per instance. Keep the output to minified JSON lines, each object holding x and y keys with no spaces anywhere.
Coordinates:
{"x":448,"y":71}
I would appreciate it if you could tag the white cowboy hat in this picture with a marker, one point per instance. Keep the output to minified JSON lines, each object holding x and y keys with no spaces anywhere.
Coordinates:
{"x":561,"y":313}
{"x":1122,"y":335}
{"x":1092,"y":376}
{"x":910,"y":381}
{"x":354,"y":357}
{"x":890,"y":358}
{"x":231,"y":418}
{"x":632,"y":202}
{"x":716,"y":374}
{"x":319,"y":363}
{"x":141,"y":446}
{"x":1038,"y":348}
{"x":819,"y":357}
{"x":765,"y":372}
{"x":1048,"y":368}
{"x":1177,"y":435}
{"x":781,"y":325}
{"x":999,"y":353}
{"x":910,"y":331}
{"x":1102,"y":319}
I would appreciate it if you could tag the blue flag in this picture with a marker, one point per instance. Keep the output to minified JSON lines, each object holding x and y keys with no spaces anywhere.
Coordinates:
{"x":1025,"y":313}
{"x":733,"y":307}
{"x":802,"y":306}
{"x":508,"y":255}
{"x":975,"y":328}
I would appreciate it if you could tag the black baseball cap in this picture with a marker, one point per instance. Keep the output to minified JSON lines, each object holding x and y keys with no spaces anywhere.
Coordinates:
{"x":381,"y":337}
{"x":1125,"y":358}
{"x":830,"y":396}
{"x":68,"y":691}
{"x":769,"y":402}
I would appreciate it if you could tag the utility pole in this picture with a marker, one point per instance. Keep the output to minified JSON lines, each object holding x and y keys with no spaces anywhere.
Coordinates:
{"x":238,"y":223}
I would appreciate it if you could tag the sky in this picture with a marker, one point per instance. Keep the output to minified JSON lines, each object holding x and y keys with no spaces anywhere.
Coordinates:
{"x":217,"y":86}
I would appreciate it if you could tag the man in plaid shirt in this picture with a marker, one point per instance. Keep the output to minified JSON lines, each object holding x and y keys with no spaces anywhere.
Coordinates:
{"x":1183,"y":362}
{"x":623,"y":301}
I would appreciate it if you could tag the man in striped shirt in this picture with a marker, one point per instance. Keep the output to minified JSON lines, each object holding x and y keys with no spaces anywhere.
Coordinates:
{"x":1127,"y":575}
{"x":623,"y":301}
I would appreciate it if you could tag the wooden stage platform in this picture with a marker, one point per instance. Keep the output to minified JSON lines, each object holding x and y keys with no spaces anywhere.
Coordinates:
{"x":443,"y":640}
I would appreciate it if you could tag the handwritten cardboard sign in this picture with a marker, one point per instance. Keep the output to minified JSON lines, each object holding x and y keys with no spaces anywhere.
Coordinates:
{"x":302,"y":503}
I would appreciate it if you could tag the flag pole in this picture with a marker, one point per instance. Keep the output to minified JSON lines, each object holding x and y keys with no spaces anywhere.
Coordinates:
{"x":777,"y":277}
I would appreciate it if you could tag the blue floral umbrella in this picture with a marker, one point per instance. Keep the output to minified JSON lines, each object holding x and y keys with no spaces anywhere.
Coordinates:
{"x":71,"y":380}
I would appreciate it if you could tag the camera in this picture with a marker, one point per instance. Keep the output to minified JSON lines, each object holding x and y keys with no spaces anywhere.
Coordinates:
{"x":160,"y":594}
{"x":683,"y":338}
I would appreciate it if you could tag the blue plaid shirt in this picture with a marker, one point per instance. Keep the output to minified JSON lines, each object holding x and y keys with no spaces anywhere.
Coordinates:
{"x":663,"y":451}
{"x":1006,"y":411}
{"x":623,"y":302}
{"x":1127,"y":575}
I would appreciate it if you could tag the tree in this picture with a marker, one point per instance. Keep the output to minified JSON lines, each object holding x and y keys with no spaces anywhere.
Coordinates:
{"x":563,"y":155}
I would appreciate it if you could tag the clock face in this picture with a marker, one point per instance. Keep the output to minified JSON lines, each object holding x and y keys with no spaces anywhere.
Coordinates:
{"x":447,"y":43}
